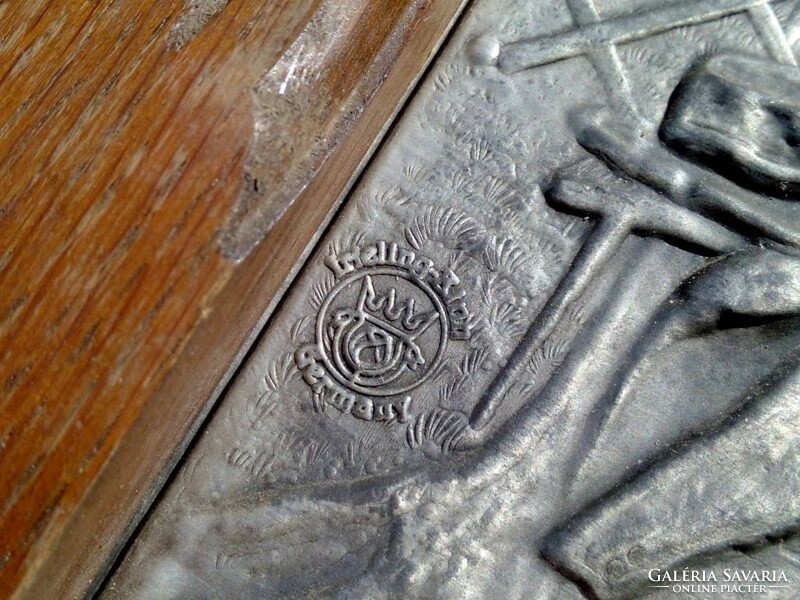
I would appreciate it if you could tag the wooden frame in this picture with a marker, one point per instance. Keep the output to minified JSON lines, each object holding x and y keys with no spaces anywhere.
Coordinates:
{"x":121,"y":320}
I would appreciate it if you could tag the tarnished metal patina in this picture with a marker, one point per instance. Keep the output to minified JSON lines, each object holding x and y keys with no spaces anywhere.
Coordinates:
{"x":548,"y":349}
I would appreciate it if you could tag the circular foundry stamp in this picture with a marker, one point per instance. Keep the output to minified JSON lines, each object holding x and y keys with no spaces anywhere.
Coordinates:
{"x":381,"y":331}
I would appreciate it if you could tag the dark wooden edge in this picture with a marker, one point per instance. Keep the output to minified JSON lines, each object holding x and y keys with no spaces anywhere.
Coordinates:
{"x":79,"y":560}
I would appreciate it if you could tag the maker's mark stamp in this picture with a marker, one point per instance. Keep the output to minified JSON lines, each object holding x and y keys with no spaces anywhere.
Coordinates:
{"x":382,"y":330}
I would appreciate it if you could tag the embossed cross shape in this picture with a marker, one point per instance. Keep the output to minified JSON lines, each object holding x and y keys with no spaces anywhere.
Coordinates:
{"x":597,"y":39}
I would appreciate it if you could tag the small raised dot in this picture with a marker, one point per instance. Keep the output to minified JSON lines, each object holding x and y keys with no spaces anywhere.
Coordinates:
{"x":427,"y":510}
{"x":483,"y":50}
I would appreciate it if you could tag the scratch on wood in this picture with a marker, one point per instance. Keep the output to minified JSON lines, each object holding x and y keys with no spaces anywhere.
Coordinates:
{"x":196,"y":15}
{"x":307,"y":103}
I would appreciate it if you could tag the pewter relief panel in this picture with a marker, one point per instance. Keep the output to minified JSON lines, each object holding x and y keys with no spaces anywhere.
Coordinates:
{"x":548,"y":348}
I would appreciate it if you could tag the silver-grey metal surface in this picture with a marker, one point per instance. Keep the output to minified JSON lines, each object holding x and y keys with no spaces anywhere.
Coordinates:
{"x":550,"y":346}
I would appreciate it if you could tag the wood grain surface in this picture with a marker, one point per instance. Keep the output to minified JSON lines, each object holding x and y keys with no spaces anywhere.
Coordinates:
{"x":127,"y":149}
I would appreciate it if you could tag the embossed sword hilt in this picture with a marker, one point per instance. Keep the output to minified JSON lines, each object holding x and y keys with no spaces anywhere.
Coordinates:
{"x":621,"y":207}
{"x":683,"y":183}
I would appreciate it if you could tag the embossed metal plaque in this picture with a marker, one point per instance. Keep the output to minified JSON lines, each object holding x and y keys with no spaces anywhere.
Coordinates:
{"x":548,"y":349}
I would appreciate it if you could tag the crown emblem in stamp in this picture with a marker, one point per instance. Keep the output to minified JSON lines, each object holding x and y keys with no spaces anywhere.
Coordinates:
{"x":381,"y":331}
